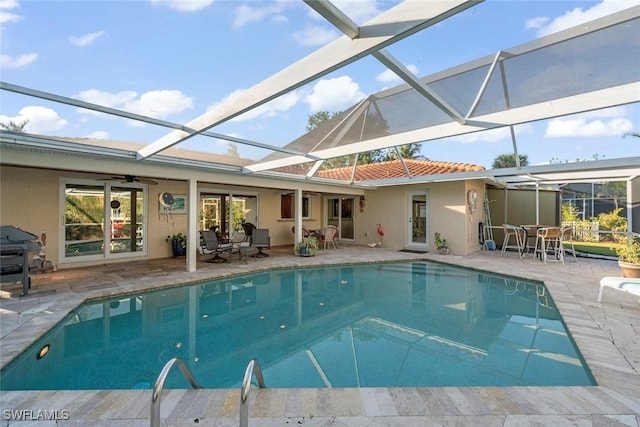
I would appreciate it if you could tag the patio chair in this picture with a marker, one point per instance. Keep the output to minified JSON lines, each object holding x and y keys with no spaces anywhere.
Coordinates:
{"x":248,"y":230}
{"x":329,"y":235}
{"x":515,"y":232}
{"x":549,"y":242}
{"x":260,"y":240}
{"x":213,"y":246}
{"x":305,"y":231}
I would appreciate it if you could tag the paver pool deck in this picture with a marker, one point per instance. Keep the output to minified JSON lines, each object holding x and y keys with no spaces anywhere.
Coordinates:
{"x":607,"y":333}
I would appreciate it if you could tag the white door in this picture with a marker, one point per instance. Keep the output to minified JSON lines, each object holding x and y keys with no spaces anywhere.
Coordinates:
{"x":418,"y":209}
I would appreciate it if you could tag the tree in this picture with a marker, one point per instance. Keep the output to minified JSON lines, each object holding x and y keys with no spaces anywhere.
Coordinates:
{"x":407,"y":151}
{"x":509,"y":161}
{"x":14,"y":126}
{"x":315,"y":120}
{"x":616,"y":190}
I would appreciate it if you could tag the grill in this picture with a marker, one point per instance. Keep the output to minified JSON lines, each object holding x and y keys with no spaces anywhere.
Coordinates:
{"x":15,"y":246}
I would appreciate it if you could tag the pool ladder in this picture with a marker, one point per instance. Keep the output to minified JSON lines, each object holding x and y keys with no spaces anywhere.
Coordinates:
{"x":253,"y":368}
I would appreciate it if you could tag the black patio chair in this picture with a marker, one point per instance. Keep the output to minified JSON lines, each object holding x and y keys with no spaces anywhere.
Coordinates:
{"x":260,"y":240}
{"x":213,"y":246}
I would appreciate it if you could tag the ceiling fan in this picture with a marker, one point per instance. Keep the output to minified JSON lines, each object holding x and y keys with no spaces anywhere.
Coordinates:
{"x":130,"y":179}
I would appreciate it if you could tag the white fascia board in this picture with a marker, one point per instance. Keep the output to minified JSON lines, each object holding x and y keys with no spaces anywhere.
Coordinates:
{"x":395,"y":24}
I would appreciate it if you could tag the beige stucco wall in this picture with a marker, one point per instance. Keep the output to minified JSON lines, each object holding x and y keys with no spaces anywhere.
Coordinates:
{"x":448,"y":212}
{"x":30,"y":199}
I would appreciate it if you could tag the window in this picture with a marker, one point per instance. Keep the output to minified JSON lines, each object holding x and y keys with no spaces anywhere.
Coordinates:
{"x":288,"y":207}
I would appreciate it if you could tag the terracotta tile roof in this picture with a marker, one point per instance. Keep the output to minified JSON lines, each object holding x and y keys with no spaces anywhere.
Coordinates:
{"x":393,"y":169}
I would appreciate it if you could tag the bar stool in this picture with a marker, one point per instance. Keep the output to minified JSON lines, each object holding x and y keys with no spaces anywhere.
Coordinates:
{"x":549,"y":240}
{"x":513,"y":231}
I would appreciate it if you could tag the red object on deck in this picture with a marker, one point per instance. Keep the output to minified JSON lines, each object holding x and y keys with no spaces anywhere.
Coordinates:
{"x":380,"y":231}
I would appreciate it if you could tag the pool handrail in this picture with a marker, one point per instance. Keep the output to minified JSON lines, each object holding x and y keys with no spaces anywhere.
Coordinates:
{"x":158,"y":387}
{"x":253,"y":367}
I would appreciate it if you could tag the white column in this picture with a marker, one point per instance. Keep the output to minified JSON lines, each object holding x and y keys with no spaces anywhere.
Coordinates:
{"x":192,"y":225}
{"x":298,"y":218}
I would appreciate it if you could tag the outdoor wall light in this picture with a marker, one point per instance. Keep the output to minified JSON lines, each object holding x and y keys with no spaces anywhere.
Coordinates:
{"x":43,"y":351}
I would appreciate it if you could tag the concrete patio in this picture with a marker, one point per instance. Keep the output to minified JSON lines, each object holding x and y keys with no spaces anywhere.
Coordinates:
{"x":606,"y":333}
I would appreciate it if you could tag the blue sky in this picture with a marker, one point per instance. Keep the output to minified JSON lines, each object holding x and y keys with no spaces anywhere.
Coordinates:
{"x":173,"y":60}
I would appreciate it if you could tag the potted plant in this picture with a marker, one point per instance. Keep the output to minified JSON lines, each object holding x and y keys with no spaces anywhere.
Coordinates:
{"x":178,"y":244}
{"x":308,"y":246}
{"x":629,"y":258}
{"x":441,"y":243}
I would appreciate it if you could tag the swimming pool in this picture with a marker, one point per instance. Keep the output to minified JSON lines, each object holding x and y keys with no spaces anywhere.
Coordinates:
{"x":376,"y":325}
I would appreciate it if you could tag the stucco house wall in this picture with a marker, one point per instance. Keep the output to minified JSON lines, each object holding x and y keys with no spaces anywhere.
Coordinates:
{"x":31,"y":199}
{"x":448,"y":211}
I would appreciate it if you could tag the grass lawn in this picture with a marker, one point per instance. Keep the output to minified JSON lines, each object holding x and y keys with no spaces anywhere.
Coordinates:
{"x":595,"y":248}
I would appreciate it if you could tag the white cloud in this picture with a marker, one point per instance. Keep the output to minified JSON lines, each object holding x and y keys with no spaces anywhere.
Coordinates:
{"x":100,"y":134}
{"x":39,"y":119}
{"x":114,"y":100}
{"x":334,"y":94}
{"x":536,"y":23}
{"x":582,"y":127}
{"x":20,"y":61}
{"x":8,"y":4}
{"x":246,"y":14}
{"x":578,"y":16}
{"x":9,"y":17}
{"x":607,"y":112}
{"x":161,"y":103}
{"x":315,"y":36}
{"x":389,"y":76}
{"x":157,"y":103}
{"x":87,"y":39}
{"x":270,"y":109}
{"x":360,"y":11}
{"x":494,"y":135}
{"x":599,"y":123}
{"x":6,"y":16}
{"x":183,"y":5}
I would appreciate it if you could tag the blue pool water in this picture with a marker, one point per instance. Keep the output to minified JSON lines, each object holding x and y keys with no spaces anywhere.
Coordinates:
{"x":417,"y":324}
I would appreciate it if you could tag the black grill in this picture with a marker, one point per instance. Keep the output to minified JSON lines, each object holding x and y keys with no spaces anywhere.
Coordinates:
{"x":15,"y":246}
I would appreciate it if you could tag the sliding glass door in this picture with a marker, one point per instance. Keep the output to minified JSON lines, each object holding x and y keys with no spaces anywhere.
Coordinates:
{"x":103,"y":220}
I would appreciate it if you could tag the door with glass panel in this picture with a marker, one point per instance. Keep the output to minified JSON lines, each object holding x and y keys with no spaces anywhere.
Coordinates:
{"x":226,"y":218}
{"x":340,"y":212}
{"x":418,"y":209}
{"x":103,"y":221}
